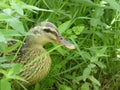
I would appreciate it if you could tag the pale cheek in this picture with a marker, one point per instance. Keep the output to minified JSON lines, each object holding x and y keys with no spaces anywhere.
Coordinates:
{"x":54,"y":38}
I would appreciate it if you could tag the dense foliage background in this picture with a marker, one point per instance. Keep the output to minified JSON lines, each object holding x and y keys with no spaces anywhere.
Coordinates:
{"x":91,"y":25}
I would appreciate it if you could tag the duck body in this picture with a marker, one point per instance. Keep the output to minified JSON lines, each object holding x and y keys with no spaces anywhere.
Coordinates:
{"x":33,"y":72}
{"x":34,"y":58}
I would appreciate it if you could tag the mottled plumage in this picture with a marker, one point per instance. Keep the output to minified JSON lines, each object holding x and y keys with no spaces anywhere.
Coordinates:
{"x":35,"y":69}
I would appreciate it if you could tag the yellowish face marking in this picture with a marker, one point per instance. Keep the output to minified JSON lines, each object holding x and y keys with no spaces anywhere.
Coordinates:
{"x":47,"y":32}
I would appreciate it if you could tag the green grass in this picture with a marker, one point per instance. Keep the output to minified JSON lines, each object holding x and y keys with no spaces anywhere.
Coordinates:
{"x":92,"y":26}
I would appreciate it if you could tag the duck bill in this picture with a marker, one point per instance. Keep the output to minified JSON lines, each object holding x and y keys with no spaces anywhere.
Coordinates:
{"x":66,"y":43}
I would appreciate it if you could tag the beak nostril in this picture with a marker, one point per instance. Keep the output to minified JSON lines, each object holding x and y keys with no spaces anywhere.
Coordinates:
{"x":60,"y":38}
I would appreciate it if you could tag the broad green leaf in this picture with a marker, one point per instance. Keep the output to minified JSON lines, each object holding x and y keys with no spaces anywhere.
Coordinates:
{"x":102,"y":36}
{"x":5,"y":85}
{"x":96,"y":87}
{"x":18,"y":8}
{"x":114,"y":4}
{"x":100,"y":64}
{"x":91,"y":65}
{"x":4,"y":72}
{"x":4,"y":5}
{"x":86,"y":73}
{"x":21,"y":5}
{"x":6,"y":58}
{"x":2,"y":59}
{"x":4,"y":17}
{"x":98,"y":12}
{"x":85,"y":55}
{"x":17,"y":25}
{"x":94,"y":59}
{"x":7,"y":65}
{"x":10,"y":32}
{"x":16,"y":77}
{"x":3,"y":47}
{"x":79,"y":78}
{"x":102,"y":51}
{"x":2,"y":38}
{"x":7,"y":11}
{"x":63,"y":27}
{"x":78,"y":29}
{"x":94,"y":80}
{"x":61,"y":51}
{"x":13,"y":47}
{"x":85,"y":86}
{"x":65,"y":87}
{"x":95,"y":21}
{"x":37,"y":86}
{"x":15,"y":70}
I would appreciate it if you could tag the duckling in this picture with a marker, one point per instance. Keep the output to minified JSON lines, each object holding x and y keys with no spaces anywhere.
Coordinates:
{"x":35,"y":70}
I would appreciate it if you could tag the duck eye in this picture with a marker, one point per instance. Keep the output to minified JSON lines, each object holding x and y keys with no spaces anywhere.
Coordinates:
{"x":47,"y":30}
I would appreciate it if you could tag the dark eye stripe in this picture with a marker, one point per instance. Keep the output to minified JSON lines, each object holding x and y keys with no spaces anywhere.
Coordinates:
{"x":49,"y":31}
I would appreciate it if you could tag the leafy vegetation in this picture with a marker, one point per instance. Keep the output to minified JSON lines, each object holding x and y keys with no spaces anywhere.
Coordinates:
{"x":91,"y":25}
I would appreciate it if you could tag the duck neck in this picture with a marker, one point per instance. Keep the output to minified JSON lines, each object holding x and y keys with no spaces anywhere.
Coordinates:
{"x":32,"y":44}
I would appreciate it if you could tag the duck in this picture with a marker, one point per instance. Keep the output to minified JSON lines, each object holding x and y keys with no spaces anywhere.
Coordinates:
{"x":33,"y":57}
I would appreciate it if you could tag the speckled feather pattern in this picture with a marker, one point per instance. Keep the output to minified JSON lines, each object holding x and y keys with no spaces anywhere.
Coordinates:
{"x":38,"y":69}
{"x":41,"y":34}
